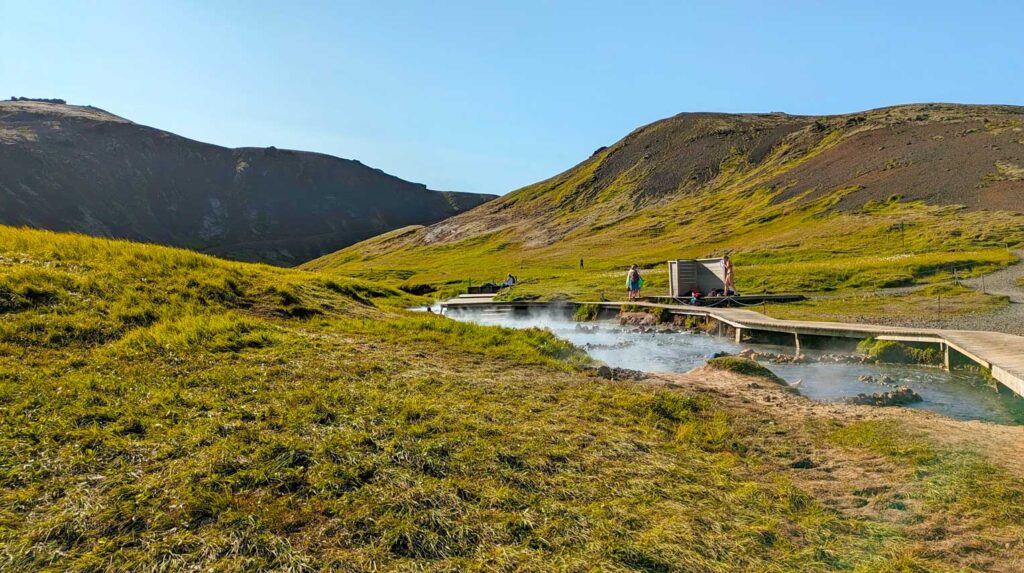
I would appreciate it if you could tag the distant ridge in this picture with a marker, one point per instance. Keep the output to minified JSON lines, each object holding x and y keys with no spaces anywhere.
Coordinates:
{"x":941,"y":154}
{"x":80,"y":168}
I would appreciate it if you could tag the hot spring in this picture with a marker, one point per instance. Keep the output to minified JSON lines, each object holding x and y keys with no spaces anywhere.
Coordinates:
{"x":960,"y":394}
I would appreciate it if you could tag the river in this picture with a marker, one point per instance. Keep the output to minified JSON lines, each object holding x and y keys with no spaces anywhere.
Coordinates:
{"x":960,"y":394}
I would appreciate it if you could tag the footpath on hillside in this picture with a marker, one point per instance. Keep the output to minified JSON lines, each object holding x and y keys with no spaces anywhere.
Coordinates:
{"x":1008,"y":319}
{"x":1000,"y":283}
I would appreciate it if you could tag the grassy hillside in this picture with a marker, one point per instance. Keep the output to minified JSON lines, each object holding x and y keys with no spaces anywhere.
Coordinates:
{"x":891,"y":197}
{"x":163,"y":410}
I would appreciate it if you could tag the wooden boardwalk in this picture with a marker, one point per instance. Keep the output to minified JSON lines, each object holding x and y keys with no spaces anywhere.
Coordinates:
{"x":731,"y":300}
{"x":1002,"y":354}
{"x":471,"y":299}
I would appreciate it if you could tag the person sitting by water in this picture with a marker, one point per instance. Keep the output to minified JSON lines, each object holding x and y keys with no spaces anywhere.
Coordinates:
{"x":695,"y":296}
{"x":634,"y":282}
{"x":509,"y":281}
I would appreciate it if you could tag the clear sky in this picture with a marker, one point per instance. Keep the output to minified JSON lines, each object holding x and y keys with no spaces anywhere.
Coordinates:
{"x":488,"y":96}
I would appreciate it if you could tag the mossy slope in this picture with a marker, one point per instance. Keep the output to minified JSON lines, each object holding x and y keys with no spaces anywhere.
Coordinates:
{"x":163,"y":410}
{"x":803,"y":203}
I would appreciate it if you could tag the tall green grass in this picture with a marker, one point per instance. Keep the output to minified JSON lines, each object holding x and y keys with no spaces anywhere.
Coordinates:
{"x":163,"y":411}
{"x":788,"y":246}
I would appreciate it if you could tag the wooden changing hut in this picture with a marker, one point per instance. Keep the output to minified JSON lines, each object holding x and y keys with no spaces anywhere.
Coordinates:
{"x":705,"y":274}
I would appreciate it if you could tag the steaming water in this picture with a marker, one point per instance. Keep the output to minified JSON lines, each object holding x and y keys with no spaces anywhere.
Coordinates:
{"x":959,"y":394}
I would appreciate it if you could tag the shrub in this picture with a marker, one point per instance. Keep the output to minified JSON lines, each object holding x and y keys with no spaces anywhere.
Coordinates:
{"x":417,"y":289}
{"x":898,"y":353}
{"x":743,"y":366}
{"x":586,"y":312}
{"x":661,"y":314}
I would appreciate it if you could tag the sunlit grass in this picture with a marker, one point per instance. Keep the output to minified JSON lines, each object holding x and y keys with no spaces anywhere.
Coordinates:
{"x":938,"y":302}
{"x":162,"y":410}
{"x":784,"y":247}
{"x":961,"y":481}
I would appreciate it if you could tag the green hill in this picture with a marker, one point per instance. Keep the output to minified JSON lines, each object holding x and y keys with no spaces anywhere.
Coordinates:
{"x":165,"y":410}
{"x":889,"y":197}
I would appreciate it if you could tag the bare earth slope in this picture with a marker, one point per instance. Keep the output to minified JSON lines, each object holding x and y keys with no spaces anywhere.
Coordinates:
{"x":881,"y":198}
{"x":71,"y":168}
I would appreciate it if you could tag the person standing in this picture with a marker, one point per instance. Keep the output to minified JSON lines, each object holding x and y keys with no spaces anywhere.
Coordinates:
{"x":581,"y":263}
{"x":633,"y":282}
{"x":730,"y":286}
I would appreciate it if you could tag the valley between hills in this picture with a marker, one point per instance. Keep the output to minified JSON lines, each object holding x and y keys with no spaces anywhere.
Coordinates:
{"x":843,"y":208}
{"x":163,"y":409}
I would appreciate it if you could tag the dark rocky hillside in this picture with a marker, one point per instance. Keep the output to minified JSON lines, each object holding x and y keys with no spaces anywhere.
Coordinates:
{"x":71,"y":168}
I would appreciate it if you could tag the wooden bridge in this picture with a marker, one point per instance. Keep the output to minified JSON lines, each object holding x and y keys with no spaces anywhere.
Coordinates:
{"x":1001,"y":354}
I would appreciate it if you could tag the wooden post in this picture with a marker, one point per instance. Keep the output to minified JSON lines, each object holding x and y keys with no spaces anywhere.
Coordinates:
{"x":796,"y":336}
{"x":739,"y":335}
{"x":945,"y":355}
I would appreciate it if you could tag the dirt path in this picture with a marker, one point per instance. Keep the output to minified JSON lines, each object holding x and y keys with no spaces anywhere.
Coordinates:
{"x":1009,"y":319}
{"x":1001,"y":283}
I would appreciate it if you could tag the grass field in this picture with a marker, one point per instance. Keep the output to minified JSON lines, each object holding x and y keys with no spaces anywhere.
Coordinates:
{"x":787,"y":247}
{"x":793,"y":211}
{"x":163,"y":410}
{"x":931,"y":302}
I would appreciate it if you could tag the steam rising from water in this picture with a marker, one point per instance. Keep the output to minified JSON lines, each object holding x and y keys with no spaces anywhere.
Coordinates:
{"x":959,"y":394}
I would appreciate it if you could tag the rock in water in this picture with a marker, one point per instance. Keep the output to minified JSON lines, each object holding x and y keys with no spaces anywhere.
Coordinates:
{"x":898,"y":397}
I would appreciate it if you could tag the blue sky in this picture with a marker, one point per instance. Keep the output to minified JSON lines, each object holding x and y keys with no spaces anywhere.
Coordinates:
{"x":490,"y":96}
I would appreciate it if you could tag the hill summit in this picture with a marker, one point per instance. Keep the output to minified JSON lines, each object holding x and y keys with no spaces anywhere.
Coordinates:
{"x":80,"y":168}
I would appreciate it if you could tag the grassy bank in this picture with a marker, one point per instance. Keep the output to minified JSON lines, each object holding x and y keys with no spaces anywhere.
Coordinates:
{"x":986,"y":500}
{"x":791,"y":209}
{"x":163,"y":410}
{"x":933,"y":302}
{"x":777,"y":247}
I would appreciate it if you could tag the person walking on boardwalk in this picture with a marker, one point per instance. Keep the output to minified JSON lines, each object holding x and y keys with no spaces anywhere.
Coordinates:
{"x":730,"y":287}
{"x":633,"y":282}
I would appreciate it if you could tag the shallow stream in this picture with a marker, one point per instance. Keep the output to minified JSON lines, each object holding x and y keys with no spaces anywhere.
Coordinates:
{"x":964,"y":395}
